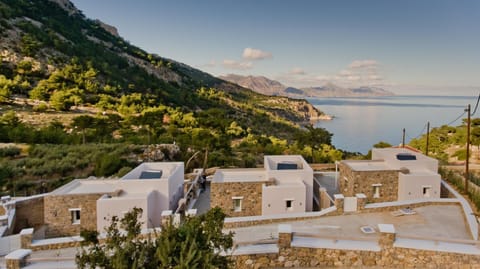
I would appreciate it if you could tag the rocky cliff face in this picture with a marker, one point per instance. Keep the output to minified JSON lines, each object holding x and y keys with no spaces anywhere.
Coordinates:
{"x":111,"y":29}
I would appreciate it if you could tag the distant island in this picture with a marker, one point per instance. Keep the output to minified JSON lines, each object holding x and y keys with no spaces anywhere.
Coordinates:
{"x":268,"y":86}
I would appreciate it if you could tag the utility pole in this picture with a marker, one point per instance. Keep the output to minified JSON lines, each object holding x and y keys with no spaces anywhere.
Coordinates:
{"x":403,"y":138}
{"x":468,"y":150}
{"x":428,"y":136}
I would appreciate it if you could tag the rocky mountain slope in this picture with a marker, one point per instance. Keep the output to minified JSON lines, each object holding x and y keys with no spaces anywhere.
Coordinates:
{"x":52,"y":53}
{"x":267,"y":86}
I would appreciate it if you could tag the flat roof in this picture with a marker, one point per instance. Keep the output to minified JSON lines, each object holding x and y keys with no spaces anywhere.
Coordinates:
{"x":88,"y":186}
{"x":433,"y":221}
{"x":271,"y":162}
{"x":240,"y":175}
{"x":395,"y":151}
{"x":369,"y":165}
{"x":422,"y":172}
{"x":153,"y":170}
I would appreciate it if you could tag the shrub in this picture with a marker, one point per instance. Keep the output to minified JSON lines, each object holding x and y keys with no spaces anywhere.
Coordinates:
{"x":123,"y":171}
{"x":42,"y":107}
{"x":107,"y":165}
{"x":9,"y":151}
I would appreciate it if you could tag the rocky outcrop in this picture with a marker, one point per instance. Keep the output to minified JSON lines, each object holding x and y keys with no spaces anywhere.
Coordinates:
{"x":160,"y":152}
{"x":107,"y":27}
{"x":68,"y":6}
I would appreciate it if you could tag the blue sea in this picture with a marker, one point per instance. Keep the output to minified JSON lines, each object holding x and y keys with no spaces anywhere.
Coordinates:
{"x":362,"y":122}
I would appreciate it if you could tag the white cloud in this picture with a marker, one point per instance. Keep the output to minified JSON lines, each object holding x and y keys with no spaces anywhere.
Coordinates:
{"x":363,"y":64}
{"x":238,"y":65}
{"x":345,"y":73}
{"x":255,"y":54}
{"x":357,"y":73}
{"x":297,"y":71}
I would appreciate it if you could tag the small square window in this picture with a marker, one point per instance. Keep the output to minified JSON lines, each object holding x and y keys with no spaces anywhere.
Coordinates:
{"x":237,"y":204}
{"x":289,"y":204}
{"x":426,"y":191}
{"x":75,"y":216}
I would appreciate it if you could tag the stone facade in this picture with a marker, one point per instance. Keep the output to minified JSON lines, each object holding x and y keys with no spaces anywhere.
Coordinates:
{"x":29,"y":213}
{"x":58,"y":216}
{"x":221,"y":196}
{"x":352,"y":182}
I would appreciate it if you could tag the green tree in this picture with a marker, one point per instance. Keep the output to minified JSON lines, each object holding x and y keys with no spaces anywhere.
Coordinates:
{"x":314,"y":138}
{"x":196,"y":243}
{"x":83,"y":122}
{"x":61,"y":101}
{"x":6,"y":86}
{"x":379,"y":145}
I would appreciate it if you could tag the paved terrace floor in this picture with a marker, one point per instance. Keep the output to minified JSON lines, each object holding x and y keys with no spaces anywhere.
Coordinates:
{"x":442,"y":221}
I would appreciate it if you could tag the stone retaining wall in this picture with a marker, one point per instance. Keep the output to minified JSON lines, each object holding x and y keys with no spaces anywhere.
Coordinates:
{"x":29,"y":213}
{"x":394,"y":257}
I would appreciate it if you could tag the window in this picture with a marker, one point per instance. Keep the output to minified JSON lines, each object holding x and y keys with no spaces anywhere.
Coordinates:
{"x":426,"y":191}
{"x":237,"y":204}
{"x":289,"y":205}
{"x":376,"y":190}
{"x":75,"y":215}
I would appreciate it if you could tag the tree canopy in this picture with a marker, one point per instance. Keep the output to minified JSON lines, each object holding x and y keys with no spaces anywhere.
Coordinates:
{"x":198,"y":242}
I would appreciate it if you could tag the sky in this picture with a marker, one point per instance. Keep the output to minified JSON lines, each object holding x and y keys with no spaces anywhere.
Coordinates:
{"x":408,"y":46}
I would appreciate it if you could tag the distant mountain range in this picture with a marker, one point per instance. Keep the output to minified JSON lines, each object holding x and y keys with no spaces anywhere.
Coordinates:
{"x":268,"y":86}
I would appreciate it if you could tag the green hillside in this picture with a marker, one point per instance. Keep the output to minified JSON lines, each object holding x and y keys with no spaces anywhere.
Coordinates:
{"x":72,"y":81}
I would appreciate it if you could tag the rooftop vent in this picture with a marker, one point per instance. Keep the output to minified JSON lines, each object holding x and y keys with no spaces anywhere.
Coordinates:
{"x":406,"y":157}
{"x":287,"y":166}
{"x":151,"y":174}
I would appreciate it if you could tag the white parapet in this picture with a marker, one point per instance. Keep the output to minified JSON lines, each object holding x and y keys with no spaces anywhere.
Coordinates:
{"x":386,"y":228}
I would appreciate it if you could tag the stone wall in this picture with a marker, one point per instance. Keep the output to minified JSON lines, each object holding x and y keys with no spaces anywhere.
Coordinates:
{"x":221,"y":194}
{"x":388,"y":256}
{"x":29,"y":213}
{"x":58,"y":216}
{"x":362,"y":181}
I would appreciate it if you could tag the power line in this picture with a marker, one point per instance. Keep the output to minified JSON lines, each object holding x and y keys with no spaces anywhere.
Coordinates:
{"x":476,"y":106}
{"x":419,"y":134}
{"x":461,"y":115}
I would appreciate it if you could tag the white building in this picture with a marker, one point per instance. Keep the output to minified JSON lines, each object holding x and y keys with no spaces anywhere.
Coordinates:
{"x":392,"y":174}
{"x":418,"y":177}
{"x":91,"y":203}
{"x":284,"y":185}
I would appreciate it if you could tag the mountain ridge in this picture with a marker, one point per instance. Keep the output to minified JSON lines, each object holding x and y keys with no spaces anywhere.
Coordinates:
{"x":268,"y":86}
